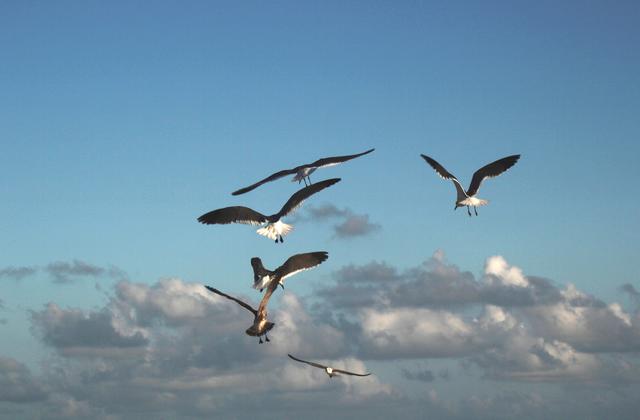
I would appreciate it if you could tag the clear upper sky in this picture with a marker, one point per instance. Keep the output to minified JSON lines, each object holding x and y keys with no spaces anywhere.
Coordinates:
{"x":122,"y":122}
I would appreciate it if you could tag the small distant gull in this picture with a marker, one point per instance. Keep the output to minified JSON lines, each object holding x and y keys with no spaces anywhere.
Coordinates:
{"x":263,"y":278}
{"x":468,"y":198}
{"x":329,"y":370}
{"x":302,"y":172}
{"x":260,"y":325}
{"x":274,"y":229}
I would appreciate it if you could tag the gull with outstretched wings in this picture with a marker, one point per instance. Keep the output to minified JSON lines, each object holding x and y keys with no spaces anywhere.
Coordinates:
{"x":261,"y":326}
{"x":263,"y":278}
{"x":302,"y":172}
{"x":329,"y":370}
{"x":468,"y":198}
{"x":273,"y":227}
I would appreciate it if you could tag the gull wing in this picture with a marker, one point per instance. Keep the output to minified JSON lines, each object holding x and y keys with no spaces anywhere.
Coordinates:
{"x":270,"y":178}
{"x":262,"y":308}
{"x":490,"y":171}
{"x":346,"y":372}
{"x":259,"y":274}
{"x":444,"y":174}
{"x":318,"y":365}
{"x":298,"y":198}
{"x":330,"y":161}
{"x":238,"y":301}
{"x":258,"y":268}
{"x":300,"y":262}
{"x":237,"y":214}
{"x":440,"y":170}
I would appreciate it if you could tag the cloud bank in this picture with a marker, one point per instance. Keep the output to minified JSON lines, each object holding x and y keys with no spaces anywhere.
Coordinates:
{"x":173,"y":349}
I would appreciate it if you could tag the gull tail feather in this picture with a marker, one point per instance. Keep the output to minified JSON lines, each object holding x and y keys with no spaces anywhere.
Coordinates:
{"x":273,"y":230}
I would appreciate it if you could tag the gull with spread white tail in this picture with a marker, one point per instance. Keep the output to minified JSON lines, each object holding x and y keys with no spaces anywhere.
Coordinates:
{"x":274,"y":228}
{"x":302,"y":172}
{"x":263,"y":278}
{"x":329,"y":370}
{"x":468,"y":198}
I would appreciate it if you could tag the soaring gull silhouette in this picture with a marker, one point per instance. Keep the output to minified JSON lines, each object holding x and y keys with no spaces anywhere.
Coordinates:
{"x":329,"y":370}
{"x":274,"y":229}
{"x":302,"y":172}
{"x":468,"y":198}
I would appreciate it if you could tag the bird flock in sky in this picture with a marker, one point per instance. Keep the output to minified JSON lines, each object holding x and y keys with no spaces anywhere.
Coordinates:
{"x":275,"y":229}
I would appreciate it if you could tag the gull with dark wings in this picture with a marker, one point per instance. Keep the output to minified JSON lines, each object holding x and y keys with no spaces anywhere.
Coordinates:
{"x":302,"y":172}
{"x":261,"y":326}
{"x":329,"y":370}
{"x":264,"y":278}
{"x":274,"y":228}
{"x":468,"y":198}
{"x":270,"y":280}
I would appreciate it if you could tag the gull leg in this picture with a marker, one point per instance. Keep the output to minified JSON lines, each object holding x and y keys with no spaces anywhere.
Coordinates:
{"x":468,"y":211}
{"x":260,"y":338}
{"x":309,"y":178}
{"x":475,"y":209}
{"x":281,"y":240}
{"x":266,"y":338}
{"x":276,"y":239}
{"x":305,"y":181}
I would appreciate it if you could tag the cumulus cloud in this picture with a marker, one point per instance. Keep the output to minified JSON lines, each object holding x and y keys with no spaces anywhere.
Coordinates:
{"x":174,"y":349}
{"x":73,"y":331}
{"x":509,"y":325}
{"x":436,"y":283}
{"x":349,"y":224}
{"x":17,"y":383}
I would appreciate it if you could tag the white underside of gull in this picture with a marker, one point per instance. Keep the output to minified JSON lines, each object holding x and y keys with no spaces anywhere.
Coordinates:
{"x":273,"y":230}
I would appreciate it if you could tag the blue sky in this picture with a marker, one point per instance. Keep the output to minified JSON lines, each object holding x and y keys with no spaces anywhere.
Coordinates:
{"x":122,"y":122}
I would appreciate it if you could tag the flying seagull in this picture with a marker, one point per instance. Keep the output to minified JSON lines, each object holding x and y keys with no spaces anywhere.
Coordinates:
{"x":302,"y":172}
{"x":274,"y":229}
{"x":263,"y":278}
{"x":260,"y":325}
{"x":330,"y":371}
{"x":468,"y":198}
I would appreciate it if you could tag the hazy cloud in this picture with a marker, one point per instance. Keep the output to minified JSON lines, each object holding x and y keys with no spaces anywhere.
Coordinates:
{"x":355,"y":225}
{"x":419,"y":375}
{"x":66,"y":272}
{"x":17,"y":273}
{"x":63,"y":271}
{"x":349,"y":224}
{"x":633,"y":293}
